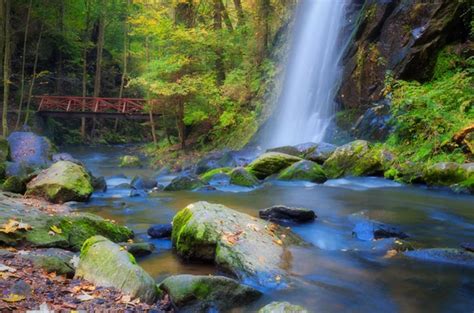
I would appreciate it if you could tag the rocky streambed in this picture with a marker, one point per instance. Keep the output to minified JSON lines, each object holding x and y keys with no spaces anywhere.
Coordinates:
{"x":279,"y":231}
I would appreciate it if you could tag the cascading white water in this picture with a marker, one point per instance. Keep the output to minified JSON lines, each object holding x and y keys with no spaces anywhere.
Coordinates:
{"x":306,"y":105}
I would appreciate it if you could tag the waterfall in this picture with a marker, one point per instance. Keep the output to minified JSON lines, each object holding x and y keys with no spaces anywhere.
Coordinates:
{"x":307,"y":101}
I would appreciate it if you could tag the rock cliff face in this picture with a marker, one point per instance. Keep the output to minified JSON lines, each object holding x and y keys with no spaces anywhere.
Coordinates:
{"x":401,"y":37}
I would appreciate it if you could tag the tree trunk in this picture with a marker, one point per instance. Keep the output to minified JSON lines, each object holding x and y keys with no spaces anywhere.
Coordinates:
{"x":226,"y":17}
{"x":22,"y":83}
{"x":263,"y":29}
{"x":180,"y":122}
{"x":220,"y":71}
{"x":98,"y":63}
{"x":2,"y":37}
{"x":59,"y":70}
{"x":125,"y":59}
{"x":184,"y":13}
{"x":240,"y":12}
{"x":33,"y":78}
{"x":6,"y":69}
{"x":84,"y":66}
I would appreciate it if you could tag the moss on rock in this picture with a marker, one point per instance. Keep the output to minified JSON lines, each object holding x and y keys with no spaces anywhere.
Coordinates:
{"x":64,"y":181}
{"x":444,"y":174}
{"x":357,"y":158}
{"x":271,"y":163}
{"x":106,"y":264}
{"x":14,"y":184}
{"x":233,"y":240}
{"x":197,"y":293}
{"x":209,"y":175}
{"x":130,"y":161}
{"x":282,"y":307}
{"x":185,"y":182}
{"x":304,"y":170}
{"x":241,"y":177}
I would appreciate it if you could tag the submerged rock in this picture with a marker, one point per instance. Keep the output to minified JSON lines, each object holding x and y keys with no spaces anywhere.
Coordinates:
{"x":138,"y":249}
{"x":190,"y":293}
{"x":99,"y":184}
{"x":51,"y":260}
{"x":185,"y":182}
{"x":281,"y":213}
{"x":30,"y":149}
{"x":271,"y":163}
{"x":130,"y":161}
{"x":369,"y":230}
{"x":452,"y":256}
{"x":160,"y":231}
{"x":356,"y":158}
{"x":468,"y":247}
{"x":282,"y":307}
{"x":238,"y":243}
{"x":241,"y":177}
{"x":143,"y":183}
{"x":304,"y":170}
{"x":106,"y":264}
{"x":64,"y":181}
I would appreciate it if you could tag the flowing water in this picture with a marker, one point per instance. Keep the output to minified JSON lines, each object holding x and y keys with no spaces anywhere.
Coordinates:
{"x":338,"y":273}
{"x":306,"y":104}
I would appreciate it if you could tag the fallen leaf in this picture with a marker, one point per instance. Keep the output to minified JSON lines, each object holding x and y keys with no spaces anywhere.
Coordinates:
{"x":85,"y":297}
{"x":14,"y":298}
{"x":13,"y":225}
{"x":56,"y":229}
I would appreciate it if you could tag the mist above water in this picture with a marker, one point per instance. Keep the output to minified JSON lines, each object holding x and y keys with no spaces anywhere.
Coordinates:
{"x":306,"y":104}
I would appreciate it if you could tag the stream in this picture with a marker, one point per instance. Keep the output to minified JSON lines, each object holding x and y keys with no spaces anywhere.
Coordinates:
{"x":338,"y":273}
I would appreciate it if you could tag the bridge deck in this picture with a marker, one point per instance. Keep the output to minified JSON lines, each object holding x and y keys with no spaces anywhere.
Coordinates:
{"x":121,"y":108}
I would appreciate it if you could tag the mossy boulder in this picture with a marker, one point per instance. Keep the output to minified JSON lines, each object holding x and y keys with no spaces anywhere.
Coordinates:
{"x":106,"y":264}
{"x":30,"y":149}
{"x":209,"y":175}
{"x":64,"y":181}
{"x":466,"y":186}
{"x":52,"y":260}
{"x":290,"y":150}
{"x":238,"y":243}
{"x":66,"y":231}
{"x":194,"y":293}
{"x":14,"y":184}
{"x":445,"y":174}
{"x":130,"y":161}
{"x":282,"y":307}
{"x":357,"y":158}
{"x":304,"y":170}
{"x":271,"y":163}
{"x":185,"y":182}
{"x":138,"y":249}
{"x":241,"y":177}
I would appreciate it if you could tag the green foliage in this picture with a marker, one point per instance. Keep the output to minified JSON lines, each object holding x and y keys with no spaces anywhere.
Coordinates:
{"x":426,"y":116}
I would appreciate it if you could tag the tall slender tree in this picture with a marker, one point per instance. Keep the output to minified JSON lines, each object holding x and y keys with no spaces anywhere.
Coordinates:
{"x":59,"y":70}
{"x":6,"y":68}
{"x":240,"y":12}
{"x":33,"y":76}
{"x":22,"y":79}
{"x":85,"y":49}
{"x":220,"y":71}
{"x":263,"y":29}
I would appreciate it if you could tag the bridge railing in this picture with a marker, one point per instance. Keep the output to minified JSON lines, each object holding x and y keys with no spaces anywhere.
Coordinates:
{"x":94,"y":104}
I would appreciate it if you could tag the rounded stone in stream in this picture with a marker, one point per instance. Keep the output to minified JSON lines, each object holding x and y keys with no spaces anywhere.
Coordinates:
{"x":138,"y":249}
{"x":444,"y":255}
{"x":143,"y":183}
{"x":196,"y":293}
{"x":282,"y":307}
{"x":369,"y":230}
{"x":281,"y":213}
{"x":160,"y":231}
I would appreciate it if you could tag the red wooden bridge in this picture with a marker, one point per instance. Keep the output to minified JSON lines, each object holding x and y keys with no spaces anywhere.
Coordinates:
{"x":96,"y":107}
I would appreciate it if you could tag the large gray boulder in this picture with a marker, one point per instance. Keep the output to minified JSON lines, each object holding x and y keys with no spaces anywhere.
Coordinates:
{"x":64,"y":181}
{"x":240,"y":244}
{"x":185,"y":182}
{"x":30,"y":149}
{"x":193,"y":293}
{"x":106,"y":264}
